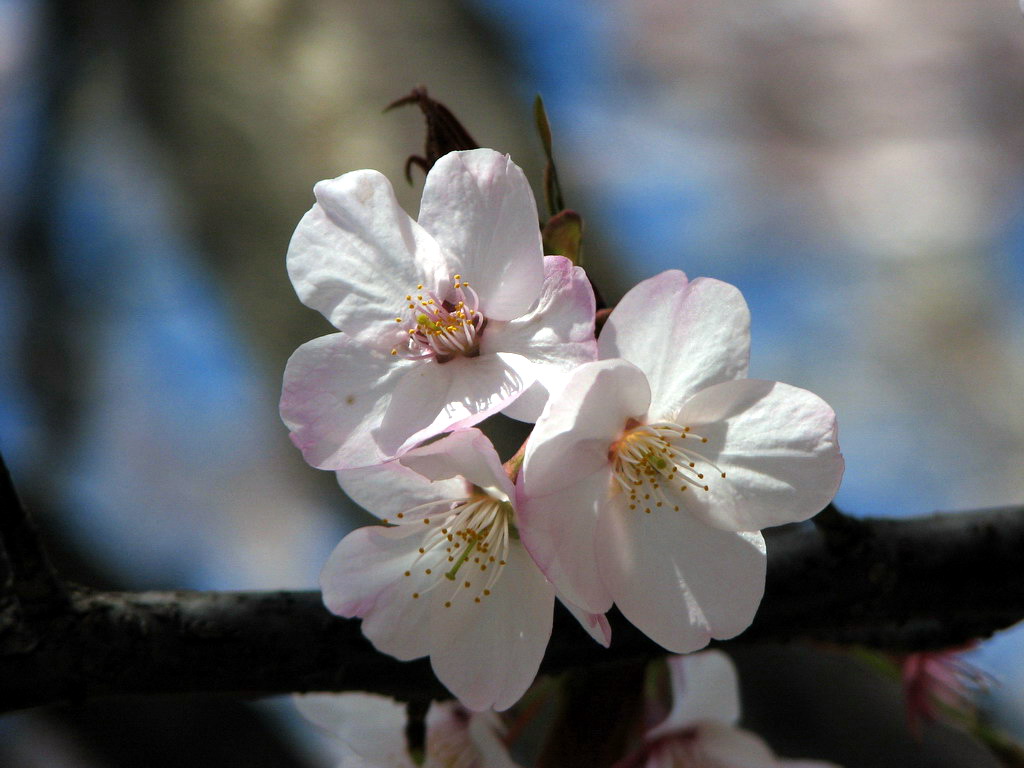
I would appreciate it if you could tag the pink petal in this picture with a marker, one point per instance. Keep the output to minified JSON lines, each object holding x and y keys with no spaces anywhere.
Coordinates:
{"x":336,"y":391}
{"x":684,"y":335}
{"x":681,"y":582}
{"x":777,"y":445}
{"x":479,"y":207}
{"x":556,"y":335}
{"x":574,"y":434}
{"x":390,"y":489}
{"x":365,"y":577}
{"x":595,"y":624}
{"x":559,"y":530}
{"x":467,"y":453}
{"x":437,"y":397}
{"x":488,"y":653}
{"x":356,"y":255}
{"x":705,"y":688}
{"x":371,"y":726}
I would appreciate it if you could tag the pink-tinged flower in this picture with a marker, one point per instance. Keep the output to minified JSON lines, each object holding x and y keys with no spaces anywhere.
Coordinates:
{"x":372,"y":729}
{"x":939,"y":685}
{"x":450,"y":579}
{"x":700,"y":730}
{"x":648,"y":477}
{"x":442,"y":322}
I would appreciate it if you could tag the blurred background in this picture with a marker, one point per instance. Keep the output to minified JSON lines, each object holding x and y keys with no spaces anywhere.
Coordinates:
{"x":855,"y":167}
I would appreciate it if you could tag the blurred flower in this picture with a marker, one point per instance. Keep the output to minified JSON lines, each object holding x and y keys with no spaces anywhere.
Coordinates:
{"x":443,"y":322}
{"x":939,"y":685}
{"x":647,"y":478}
{"x":700,"y":730}
{"x":451,"y":579}
{"x":372,"y":728}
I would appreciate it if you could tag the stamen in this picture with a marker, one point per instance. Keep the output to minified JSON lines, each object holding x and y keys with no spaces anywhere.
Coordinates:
{"x":475,"y":530}
{"x":651,"y":465}
{"x":441,"y":328}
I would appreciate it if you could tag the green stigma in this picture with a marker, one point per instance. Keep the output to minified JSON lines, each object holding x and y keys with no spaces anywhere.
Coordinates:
{"x":450,"y":575}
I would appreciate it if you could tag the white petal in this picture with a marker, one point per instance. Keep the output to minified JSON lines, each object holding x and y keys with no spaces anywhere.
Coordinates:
{"x":488,"y":653}
{"x":684,"y":335}
{"x":364,"y":577}
{"x":734,"y":747}
{"x":437,"y":397}
{"x":559,"y":531}
{"x":777,"y":445}
{"x":479,"y":207}
{"x":356,"y":255}
{"x":556,"y":335}
{"x":579,"y":425}
{"x":595,"y":624}
{"x":335,"y":392}
{"x":681,"y":582}
{"x":485,"y":734}
{"x":371,"y":726}
{"x":467,"y":453}
{"x":387,"y":490}
{"x":705,"y":688}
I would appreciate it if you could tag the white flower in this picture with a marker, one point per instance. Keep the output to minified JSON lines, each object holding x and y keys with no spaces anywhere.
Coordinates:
{"x":450,"y":579}
{"x":648,"y":477}
{"x":372,"y":728}
{"x":443,"y":321}
{"x":700,"y":731}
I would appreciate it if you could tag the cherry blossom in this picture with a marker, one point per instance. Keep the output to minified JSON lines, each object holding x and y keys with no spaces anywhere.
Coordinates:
{"x":940,"y":685}
{"x":700,"y":730}
{"x":449,"y":578}
{"x":442,"y":321}
{"x":372,"y":730}
{"x":648,"y":477}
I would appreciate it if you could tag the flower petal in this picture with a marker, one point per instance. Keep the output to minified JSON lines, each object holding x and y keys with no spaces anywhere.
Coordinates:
{"x":488,"y":653}
{"x":681,"y":582}
{"x":705,"y":688}
{"x":579,"y":425}
{"x":371,"y":726}
{"x":390,"y":489}
{"x":684,"y":335}
{"x":556,"y":335}
{"x":595,"y":624}
{"x":777,"y":445}
{"x":436,"y":397}
{"x":467,"y":453}
{"x":356,"y":255}
{"x":365,"y":577}
{"x":559,"y":530}
{"x":721,"y":744}
{"x":335,"y":392}
{"x":479,"y":207}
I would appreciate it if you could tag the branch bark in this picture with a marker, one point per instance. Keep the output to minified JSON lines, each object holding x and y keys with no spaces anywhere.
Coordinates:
{"x":899,"y":585}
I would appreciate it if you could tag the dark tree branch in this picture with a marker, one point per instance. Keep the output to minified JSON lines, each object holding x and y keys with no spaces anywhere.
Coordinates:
{"x":31,"y":579}
{"x":899,"y":585}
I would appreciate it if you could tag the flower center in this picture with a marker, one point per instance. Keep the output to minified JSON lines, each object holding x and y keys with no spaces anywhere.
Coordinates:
{"x":654,"y":463}
{"x":468,"y":551}
{"x":443,"y":328}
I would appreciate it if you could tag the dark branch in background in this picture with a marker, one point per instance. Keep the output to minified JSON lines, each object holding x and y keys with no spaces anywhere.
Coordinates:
{"x":32,"y":591}
{"x":928,"y":582}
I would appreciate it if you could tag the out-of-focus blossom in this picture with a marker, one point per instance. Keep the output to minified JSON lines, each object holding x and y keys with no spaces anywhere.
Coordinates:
{"x":700,"y":730}
{"x":443,"y":321}
{"x":648,"y":477}
{"x":372,"y":729}
{"x":939,"y":685}
{"x":450,"y":579}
